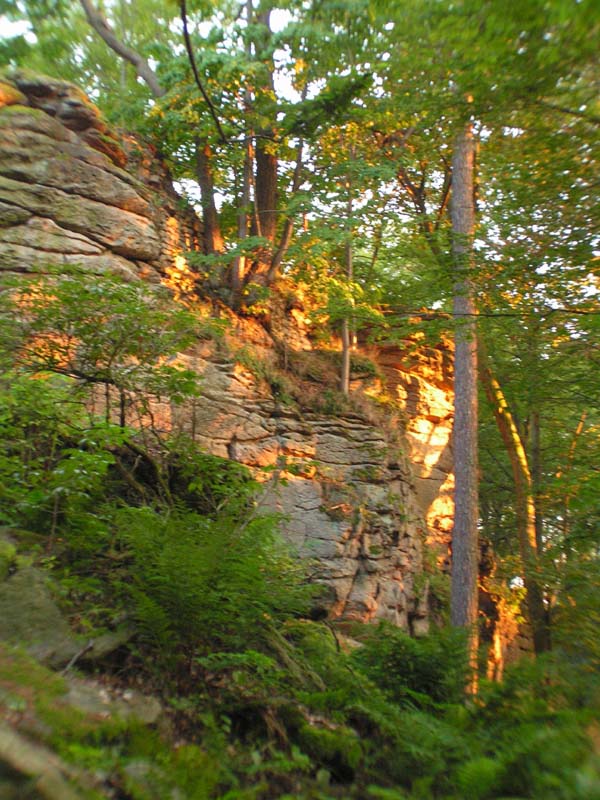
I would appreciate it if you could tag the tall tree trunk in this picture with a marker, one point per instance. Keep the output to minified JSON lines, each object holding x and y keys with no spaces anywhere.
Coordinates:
{"x":349,"y":263}
{"x":288,"y":225}
{"x":239,"y":265}
{"x":213,"y":241}
{"x":464,"y":593}
{"x":265,"y":181}
{"x":266,"y":186}
{"x":525,"y":507}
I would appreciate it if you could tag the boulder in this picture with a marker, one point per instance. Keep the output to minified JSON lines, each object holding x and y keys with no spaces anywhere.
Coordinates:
{"x":30,"y":770}
{"x":94,"y":699}
{"x":30,"y":617}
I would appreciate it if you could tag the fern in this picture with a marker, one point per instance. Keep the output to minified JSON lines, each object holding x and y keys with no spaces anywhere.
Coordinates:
{"x":208,"y":581}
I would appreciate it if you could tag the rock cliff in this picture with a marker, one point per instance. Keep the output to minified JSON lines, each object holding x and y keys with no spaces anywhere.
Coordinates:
{"x":71,"y":192}
{"x":365,"y":488}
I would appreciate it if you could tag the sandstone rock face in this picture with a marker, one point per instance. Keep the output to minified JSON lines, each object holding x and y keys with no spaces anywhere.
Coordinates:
{"x":365,"y":493}
{"x":422,"y":383}
{"x":72,"y":193}
{"x":361,"y":495}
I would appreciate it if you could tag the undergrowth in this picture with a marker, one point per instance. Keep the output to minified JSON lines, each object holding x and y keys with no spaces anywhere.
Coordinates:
{"x":263,"y":702}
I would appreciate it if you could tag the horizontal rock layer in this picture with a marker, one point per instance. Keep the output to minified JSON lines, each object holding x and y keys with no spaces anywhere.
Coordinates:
{"x":72,"y":193}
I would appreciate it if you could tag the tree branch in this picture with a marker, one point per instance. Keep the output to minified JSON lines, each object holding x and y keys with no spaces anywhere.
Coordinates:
{"x":99,"y":23}
{"x":445,"y":197}
{"x":570,"y":111}
{"x":288,"y":225}
{"x":192,"y":60}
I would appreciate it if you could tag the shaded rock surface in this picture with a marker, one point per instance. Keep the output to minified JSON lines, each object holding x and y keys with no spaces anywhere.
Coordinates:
{"x":93,"y":698}
{"x":49,"y":722}
{"x":28,"y":769}
{"x":30,"y":617}
{"x":369,"y":495}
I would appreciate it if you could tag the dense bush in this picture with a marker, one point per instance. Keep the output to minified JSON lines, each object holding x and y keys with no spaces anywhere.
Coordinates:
{"x":415,"y":671}
{"x":202,"y":583}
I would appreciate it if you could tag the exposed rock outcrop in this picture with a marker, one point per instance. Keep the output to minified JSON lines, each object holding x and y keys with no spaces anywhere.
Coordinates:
{"x":367,"y":494}
{"x":39,"y":753}
{"x":66,"y":196}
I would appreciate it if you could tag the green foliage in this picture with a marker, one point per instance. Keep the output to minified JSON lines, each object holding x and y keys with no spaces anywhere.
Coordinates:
{"x":63,"y":336}
{"x":199,"y":558}
{"x":264,"y":370}
{"x":331,"y":402}
{"x":172,"y":535}
{"x":208,"y":484}
{"x":198,"y":582}
{"x":103,"y":331}
{"x":415,"y":671}
{"x":54,"y":459}
{"x":336,"y":748}
{"x":479,"y":778}
{"x":576,"y":616}
{"x":138,"y":760}
{"x":329,"y":108}
{"x":323,"y":365}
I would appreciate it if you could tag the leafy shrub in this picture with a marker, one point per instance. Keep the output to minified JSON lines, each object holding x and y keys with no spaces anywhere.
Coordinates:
{"x":576,"y":619}
{"x":262,"y":369}
{"x":360,"y":366}
{"x":199,"y":582}
{"x":415,"y":671}
{"x":54,"y":457}
{"x":338,"y":748}
{"x":479,"y":778}
{"x":104,"y":331}
{"x":209,"y":484}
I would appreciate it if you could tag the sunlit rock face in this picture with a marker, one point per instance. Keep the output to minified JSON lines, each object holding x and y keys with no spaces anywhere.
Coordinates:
{"x":422,"y":381}
{"x":365,"y":494}
{"x":72,"y":192}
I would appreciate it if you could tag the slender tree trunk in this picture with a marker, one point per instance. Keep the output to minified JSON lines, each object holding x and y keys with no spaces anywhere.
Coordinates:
{"x":525,"y":508}
{"x":238,"y":268}
{"x":349,"y":259}
{"x":377,"y":241}
{"x":464,"y":593}
{"x":238,"y":271}
{"x":345,"y":374}
{"x":239,"y":265}
{"x":567,"y":470}
{"x":265,"y":181}
{"x":123,"y":65}
{"x":213,"y":241}
{"x":288,"y":225}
